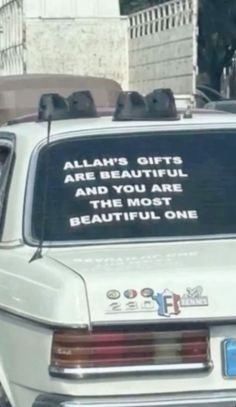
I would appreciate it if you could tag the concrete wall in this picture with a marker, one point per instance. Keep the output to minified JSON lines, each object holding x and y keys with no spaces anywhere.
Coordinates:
{"x":84,"y":37}
{"x":71,"y":8}
{"x":153,"y":48}
{"x":11,"y":38}
{"x":96,"y":47}
{"x":163,"y":47}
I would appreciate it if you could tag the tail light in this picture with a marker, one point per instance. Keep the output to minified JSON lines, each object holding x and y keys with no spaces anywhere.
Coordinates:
{"x":111,"y":351}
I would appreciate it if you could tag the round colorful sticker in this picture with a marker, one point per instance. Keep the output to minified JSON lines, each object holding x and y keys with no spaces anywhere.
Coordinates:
{"x":147,"y":292}
{"x":130,"y":294}
{"x":113,"y":294}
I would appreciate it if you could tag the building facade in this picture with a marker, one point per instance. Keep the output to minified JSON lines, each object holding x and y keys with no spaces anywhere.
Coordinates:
{"x":58,"y":36}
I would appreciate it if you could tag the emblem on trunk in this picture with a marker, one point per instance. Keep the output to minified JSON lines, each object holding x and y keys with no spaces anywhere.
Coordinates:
{"x":147,"y":292}
{"x":194,"y":298}
{"x":130,"y":294}
{"x":113,"y":294}
{"x":168,"y":303}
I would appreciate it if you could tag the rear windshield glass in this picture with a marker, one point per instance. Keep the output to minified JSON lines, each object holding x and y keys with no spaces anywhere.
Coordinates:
{"x":172,"y":185}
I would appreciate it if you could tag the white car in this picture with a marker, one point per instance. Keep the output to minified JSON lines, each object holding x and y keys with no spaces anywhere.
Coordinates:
{"x":118,"y":259}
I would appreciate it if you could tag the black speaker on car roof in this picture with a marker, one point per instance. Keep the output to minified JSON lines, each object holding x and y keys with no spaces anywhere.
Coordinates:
{"x":158,"y":105}
{"x":130,"y":106}
{"x":53,"y":106}
{"x":161,"y":104}
{"x":78,"y":105}
{"x":81,"y":104}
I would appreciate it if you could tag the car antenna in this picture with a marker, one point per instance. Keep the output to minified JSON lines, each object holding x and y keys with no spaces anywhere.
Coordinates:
{"x":38,"y":253}
{"x":52,"y":106}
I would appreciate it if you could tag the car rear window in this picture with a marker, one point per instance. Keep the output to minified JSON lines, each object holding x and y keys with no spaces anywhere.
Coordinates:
{"x":136,"y":186}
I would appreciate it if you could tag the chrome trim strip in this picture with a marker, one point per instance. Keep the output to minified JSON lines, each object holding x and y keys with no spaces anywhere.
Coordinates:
{"x":176,"y":321}
{"x":219,"y":397}
{"x":83,"y":373}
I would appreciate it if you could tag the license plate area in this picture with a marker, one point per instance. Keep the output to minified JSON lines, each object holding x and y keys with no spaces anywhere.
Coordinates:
{"x":229,"y":358}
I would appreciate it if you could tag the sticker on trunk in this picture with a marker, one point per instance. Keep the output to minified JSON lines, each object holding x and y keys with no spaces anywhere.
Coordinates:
{"x":166,"y":303}
{"x":194,"y":298}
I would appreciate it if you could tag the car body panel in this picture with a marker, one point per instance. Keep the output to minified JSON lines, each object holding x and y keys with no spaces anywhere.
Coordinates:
{"x":43,"y":289}
{"x":45,"y":278}
{"x":178,"y":267}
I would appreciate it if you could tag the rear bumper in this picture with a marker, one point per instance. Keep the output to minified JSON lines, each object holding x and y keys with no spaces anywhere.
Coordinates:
{"x":214,"y":398}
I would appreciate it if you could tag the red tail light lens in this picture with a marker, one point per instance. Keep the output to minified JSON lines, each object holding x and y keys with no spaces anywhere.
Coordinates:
{"x":195,"y":349}
{"x":77,"y":349}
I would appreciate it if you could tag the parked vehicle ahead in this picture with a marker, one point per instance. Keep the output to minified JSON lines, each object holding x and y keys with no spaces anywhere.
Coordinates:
{"x":212,"y":94}
{"x":118,"y":255}
{"x":225,"y":106}
{"x":209,"y":98}
{"x":205,"y":94}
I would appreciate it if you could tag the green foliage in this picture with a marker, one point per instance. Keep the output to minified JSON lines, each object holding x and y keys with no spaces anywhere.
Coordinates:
{"x":217,"y":37}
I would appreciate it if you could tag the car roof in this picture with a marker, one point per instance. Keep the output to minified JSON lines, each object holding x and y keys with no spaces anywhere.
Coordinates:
{"x":36,"y":132}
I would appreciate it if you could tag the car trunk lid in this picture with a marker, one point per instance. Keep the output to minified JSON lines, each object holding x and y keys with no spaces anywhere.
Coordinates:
{"x":156,"y":282}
